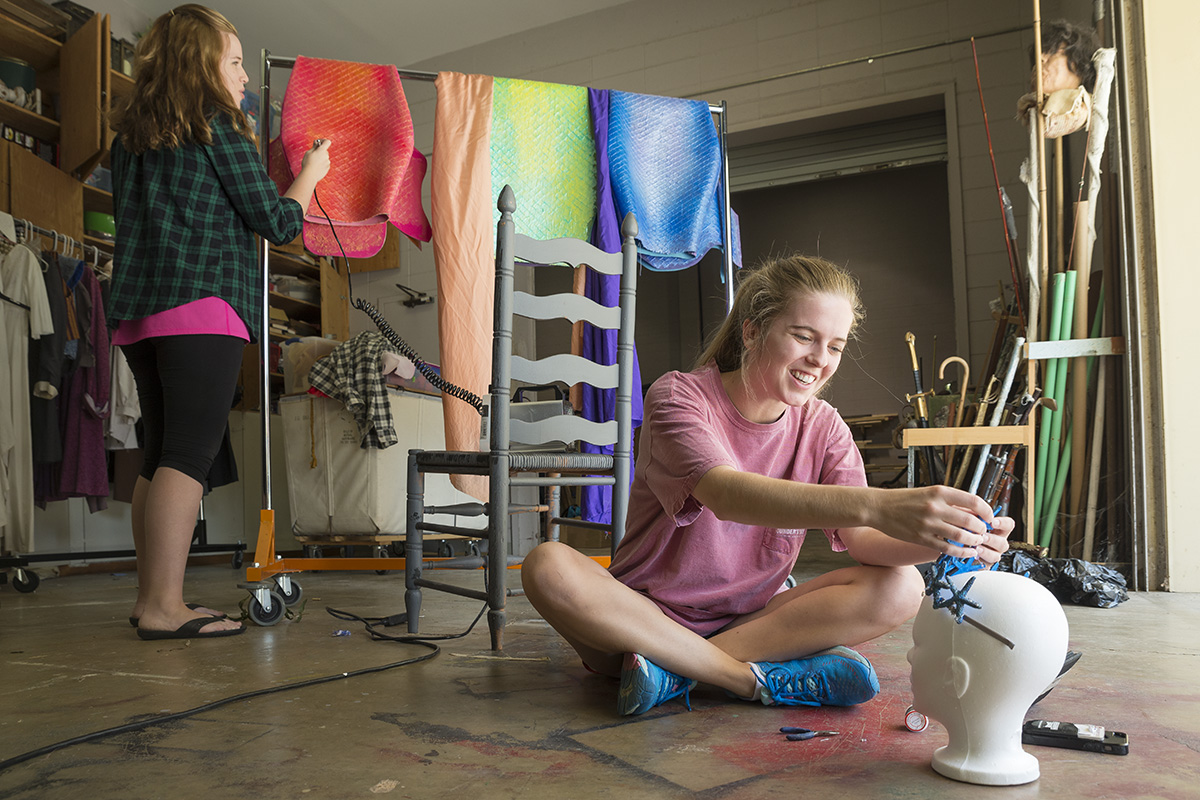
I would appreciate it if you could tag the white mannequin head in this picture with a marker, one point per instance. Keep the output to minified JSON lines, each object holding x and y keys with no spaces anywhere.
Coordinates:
{"x":976,"y":685}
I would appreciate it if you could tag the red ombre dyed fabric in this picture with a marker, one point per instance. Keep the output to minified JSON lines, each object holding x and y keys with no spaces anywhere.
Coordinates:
{"x":375,"y":174}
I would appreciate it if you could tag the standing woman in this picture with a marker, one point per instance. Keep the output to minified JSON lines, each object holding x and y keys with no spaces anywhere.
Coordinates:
{"x":190,"y":194}
{"x":736,"y":460}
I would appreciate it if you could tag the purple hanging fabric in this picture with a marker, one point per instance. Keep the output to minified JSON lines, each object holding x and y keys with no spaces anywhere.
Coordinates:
{"x":601,"y":345}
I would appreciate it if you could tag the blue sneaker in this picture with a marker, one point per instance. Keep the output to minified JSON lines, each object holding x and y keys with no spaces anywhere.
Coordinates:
{"x":645,"y":685}
{"x":834,"y":677}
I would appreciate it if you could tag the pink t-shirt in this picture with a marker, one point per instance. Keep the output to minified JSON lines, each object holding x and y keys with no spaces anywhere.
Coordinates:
{"x":210,"y":315}
{"x":703,"y":572}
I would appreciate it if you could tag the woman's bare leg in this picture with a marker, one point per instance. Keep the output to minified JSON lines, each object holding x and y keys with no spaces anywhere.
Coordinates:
{"x":169,"y":505}
{"x":603,"y":619}
{"x":844,"y":607}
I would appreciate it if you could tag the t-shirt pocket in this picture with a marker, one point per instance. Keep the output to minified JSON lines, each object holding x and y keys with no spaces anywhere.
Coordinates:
{"x":783,"y":540}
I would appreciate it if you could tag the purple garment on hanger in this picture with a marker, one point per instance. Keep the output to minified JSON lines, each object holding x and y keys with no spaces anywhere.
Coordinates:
{"x":599,"y":405}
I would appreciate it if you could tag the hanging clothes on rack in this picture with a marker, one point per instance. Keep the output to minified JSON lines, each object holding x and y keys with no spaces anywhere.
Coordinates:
{"x":490,"y":132}
{"x":24,"y":316}
{"x":665,"y":166}
{"x":120,"y":429}
{"x":599,"y":405}
{"x":49,"y":366}
{"x":83,"y":469}
{"x":377,"y":174}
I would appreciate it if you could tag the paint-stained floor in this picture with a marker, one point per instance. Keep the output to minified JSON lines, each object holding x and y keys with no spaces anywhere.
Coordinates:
{"x":529,"y":722}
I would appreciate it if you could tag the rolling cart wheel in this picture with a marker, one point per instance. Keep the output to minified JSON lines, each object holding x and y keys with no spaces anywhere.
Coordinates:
{"x":261,"y":616}
{"x":236,"y":560}
{"x":381,"y":552}
{"x":292,"y":595}
{"x":25,"y":581}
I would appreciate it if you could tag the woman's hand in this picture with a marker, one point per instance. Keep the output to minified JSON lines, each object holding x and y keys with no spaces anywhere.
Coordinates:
{"x":944,"y":519}
{"x":996,"y":542}
{"x":316,"y":161}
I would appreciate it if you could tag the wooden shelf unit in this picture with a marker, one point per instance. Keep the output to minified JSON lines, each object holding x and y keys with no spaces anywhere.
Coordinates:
{"x":873,"y":438}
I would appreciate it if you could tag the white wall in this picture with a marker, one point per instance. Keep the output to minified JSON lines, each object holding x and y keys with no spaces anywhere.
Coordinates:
{"x":1173,"y":123}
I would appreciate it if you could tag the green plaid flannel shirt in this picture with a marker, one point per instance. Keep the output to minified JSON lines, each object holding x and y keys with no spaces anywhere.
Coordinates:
{"x":186,"y":220}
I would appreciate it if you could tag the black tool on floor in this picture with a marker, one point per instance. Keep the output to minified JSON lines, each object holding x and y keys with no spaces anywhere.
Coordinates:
{"x":1075,"y":736}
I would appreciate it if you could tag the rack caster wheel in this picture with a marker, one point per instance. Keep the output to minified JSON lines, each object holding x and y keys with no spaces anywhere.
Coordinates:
{"x":236,"y":560}
{"x":25,"y":581}
{"x":288,"y":590}
{"x":266,"y":616}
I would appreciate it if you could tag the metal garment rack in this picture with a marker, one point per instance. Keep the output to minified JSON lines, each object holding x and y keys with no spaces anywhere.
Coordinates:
{"x":267,"y":601}
{"x":31,"y":229}
{"x":25,"y":580}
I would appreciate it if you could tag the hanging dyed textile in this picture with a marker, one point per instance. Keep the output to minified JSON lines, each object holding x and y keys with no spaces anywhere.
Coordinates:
{"x":375,"y":172}
{"x":600,"y":345}
{"x":534,"y":137}
{"x":665,"y":161}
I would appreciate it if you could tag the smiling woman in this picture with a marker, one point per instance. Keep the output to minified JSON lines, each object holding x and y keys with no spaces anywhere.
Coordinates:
{"x":736,"y":460}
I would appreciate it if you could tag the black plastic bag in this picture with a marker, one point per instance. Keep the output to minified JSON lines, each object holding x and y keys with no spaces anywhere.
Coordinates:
{"x":1070,"y":579}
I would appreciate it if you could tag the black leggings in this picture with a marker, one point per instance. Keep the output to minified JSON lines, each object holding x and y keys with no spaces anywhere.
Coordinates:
{"x":185,"y":385}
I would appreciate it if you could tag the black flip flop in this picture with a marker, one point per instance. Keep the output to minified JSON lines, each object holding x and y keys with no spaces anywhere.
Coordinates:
{"x":133,"y":621}
{"x":190,"y":630}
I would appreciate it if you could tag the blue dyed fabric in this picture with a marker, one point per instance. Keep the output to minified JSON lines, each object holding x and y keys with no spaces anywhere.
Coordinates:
{"x":599,"y":405}
{"x":665,"y":166}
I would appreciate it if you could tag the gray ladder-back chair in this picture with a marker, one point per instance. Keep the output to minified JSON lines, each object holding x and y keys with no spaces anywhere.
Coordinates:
{"x":507,"y":468}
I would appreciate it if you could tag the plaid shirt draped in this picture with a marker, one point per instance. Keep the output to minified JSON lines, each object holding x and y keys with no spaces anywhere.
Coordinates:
{"x":186,"y":220}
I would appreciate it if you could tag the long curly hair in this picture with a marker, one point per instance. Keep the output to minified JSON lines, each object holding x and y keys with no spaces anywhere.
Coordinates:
{"x":764,"y":292}
{"x":178,"y":84}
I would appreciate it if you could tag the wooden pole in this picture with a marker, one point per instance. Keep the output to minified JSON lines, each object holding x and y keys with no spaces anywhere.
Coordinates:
{"x":1089,"y":527}
{"x":1059,"y":223}
{"x":1082,"y":258}
{"x":1041,"y":147}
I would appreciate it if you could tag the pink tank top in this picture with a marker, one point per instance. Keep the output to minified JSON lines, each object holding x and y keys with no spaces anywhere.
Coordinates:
{"x":210,"y":315}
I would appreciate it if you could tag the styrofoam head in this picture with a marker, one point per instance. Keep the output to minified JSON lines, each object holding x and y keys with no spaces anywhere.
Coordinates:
{"x":979,"y":676}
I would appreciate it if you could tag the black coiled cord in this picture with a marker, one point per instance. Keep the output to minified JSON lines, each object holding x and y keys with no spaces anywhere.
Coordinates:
{"x":426,"y":370}
{"x":445,"y":386}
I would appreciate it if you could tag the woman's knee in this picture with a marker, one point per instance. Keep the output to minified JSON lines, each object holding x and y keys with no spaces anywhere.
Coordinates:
{"x":901,"y":590}
{"x":546,"y":570}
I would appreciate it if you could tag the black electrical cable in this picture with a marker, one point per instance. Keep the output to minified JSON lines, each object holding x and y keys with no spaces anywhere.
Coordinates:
{"x":388,"y":333}
{"x":369,"y":623}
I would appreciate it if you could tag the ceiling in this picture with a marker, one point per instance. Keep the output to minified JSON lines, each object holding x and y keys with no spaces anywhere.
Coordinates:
{"x":400,"y":32}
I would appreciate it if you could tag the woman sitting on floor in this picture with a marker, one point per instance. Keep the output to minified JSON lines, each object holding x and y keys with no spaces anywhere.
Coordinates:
{"x":736,"y":460}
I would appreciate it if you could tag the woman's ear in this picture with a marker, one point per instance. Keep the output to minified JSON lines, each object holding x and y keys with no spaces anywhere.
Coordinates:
{"x":749,"y":334}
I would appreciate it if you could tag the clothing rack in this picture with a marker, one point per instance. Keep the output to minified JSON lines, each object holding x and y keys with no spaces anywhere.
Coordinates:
{"x":288,"y":62}
{"x":269,"y":596}
{"x":69,"y":242}
{"x":26,"y":580}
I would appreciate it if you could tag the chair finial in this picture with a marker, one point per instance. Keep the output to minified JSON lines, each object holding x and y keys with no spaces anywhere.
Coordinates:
{"x":629,"y":225}
{"x":507,"y":202}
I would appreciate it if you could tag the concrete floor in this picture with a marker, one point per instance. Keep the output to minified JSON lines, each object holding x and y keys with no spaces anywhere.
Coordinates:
{"x":529,"y":722}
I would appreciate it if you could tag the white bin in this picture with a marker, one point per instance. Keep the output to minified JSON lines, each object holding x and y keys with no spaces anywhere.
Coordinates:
{"x":350,"y":491}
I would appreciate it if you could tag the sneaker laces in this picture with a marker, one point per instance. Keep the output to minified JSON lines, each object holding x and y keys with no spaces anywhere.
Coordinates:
{"x":783,"y":684}
{"x":683,"y":687}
